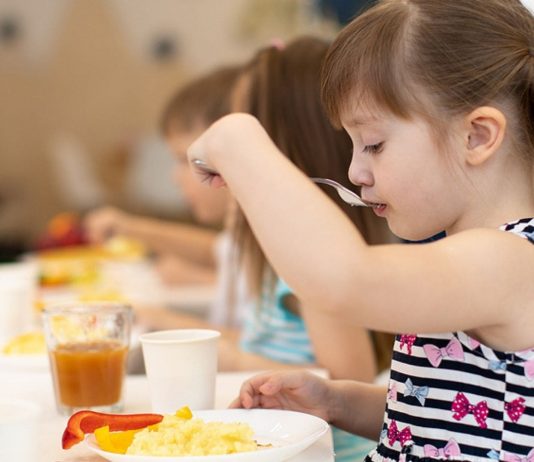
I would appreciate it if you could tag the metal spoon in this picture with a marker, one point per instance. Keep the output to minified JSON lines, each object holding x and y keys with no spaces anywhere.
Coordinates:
{"x":347,"y":195}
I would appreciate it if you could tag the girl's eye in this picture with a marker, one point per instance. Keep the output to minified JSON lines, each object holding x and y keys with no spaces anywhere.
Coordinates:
{"x":374,"y":148}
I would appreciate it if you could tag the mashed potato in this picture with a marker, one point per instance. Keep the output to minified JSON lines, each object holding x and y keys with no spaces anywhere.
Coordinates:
{"x":175,"y":436}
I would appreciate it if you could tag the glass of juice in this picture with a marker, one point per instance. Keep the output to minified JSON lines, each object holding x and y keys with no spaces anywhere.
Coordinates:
{"x":87,"y":349}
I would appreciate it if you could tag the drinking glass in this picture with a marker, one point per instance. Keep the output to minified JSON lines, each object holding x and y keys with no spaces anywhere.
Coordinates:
{"x":87,"y":349}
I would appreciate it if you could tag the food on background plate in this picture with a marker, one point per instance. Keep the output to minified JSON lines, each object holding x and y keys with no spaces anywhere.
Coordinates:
{"x":125,"y":248}
{"x":160,"y":435}
{"x":81,"y":264}
{"x":29,"y":343}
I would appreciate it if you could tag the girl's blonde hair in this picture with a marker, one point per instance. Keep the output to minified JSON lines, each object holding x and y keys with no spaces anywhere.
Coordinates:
{"x":402,"y":54}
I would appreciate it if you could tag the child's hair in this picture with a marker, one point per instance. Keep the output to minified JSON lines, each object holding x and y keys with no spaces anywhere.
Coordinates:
{"x":284,"y":94}
{"x":201,"y":101}
{"x":436,"y":59}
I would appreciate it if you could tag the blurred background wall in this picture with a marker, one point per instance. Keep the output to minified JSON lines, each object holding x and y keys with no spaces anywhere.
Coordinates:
{"x":82,"y":83}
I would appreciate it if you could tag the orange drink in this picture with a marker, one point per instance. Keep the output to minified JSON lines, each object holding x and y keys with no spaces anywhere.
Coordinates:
{"x":87,"y":348}
{"x":89,"y":374}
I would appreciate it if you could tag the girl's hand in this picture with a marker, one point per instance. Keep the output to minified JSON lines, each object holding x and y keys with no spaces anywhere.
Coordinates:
{"x":225,"y":138}
{"x":296,"y":391}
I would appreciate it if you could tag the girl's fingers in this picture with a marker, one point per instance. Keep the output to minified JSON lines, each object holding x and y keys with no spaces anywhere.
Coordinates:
{"x":235,"y":404}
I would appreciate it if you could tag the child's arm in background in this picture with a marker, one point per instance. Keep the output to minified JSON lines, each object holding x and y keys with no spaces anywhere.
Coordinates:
{"x":174,"y":270}
{"x":191,"y":242}
{"x":231,"y":356}
{"x":345,"y":350}
{"x":393,"y":287}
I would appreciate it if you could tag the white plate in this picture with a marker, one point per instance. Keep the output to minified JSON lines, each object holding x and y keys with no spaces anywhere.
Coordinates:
{"x":28,"y":363}
{"x":288,"y":432}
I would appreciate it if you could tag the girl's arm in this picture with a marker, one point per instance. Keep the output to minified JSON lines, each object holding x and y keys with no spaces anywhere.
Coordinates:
{"x":318,"y":252}
{"x":174,"y":270}
{"x":353,"y":406}
{"x":344,"y":349}
{"x":233,"y":358}
{"x":358,"y":407}
{"x":191,"y":242}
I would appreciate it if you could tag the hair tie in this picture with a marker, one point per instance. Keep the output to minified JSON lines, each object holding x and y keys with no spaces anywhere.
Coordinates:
{"x":277,"y":43}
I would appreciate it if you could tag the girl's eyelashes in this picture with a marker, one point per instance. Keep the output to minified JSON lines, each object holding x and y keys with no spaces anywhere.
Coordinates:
{"x":374,"y":148}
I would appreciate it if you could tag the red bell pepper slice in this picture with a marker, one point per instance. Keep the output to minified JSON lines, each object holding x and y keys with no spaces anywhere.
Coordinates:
{"x":83,"y":422}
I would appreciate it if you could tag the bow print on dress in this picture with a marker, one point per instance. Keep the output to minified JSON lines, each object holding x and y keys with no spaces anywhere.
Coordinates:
{"x":408,"y":340}
{"x":420,"y":393}
{"x":451,"y":449}
{"x":452,"y":350}
{"x":508,"y":457}
{"x":515,"y":409}
{"x":392,"y":392}
{"x":395,"y":435}
{"x":497,"y":366}
{"x":529,"y":369}
{"x":461,"y":407}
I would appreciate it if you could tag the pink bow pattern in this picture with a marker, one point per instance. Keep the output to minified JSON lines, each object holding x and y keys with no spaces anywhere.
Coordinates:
{"x":392,"y":392}
{"x":395,"y":435}
{"x":408,"y":340}
{"x":451,"y":449}
{"x":529,"y":369}
{"x":453,"y":350}
{"x":461,"y":407}
{"x":515,"y":409}
{"x":508,"y":457}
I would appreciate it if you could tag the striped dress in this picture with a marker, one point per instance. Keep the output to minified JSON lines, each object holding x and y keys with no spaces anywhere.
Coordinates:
{"x":276,"y":333}
{"x":452,"y":398}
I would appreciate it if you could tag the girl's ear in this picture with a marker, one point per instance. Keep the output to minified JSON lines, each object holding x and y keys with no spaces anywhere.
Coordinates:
{"x":485,"y":128}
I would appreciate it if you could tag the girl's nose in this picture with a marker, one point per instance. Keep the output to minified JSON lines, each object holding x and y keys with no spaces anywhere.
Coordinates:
{"x":360,"y":174}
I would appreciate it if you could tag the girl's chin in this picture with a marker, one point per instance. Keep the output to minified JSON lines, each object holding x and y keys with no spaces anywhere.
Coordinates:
{"x":411,"y":234}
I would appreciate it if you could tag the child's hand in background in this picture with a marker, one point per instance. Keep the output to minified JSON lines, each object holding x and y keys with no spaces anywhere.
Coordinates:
{"x":102,"y":223}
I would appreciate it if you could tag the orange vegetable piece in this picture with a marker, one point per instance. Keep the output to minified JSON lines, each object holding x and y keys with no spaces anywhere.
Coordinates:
{"x":83,"y":422}
{"x":117,"y":442}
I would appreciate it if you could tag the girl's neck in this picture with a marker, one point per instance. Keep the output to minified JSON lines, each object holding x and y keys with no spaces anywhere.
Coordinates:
{"x":506,"y":195}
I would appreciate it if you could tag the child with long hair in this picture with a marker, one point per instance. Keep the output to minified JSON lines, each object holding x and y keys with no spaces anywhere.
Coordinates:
{"x":281,"y":86}
{"x":437,"y":97}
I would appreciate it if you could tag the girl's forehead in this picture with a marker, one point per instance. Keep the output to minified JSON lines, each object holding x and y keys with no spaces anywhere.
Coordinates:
{"x":357,"y":110}
{"x":358,"y":116}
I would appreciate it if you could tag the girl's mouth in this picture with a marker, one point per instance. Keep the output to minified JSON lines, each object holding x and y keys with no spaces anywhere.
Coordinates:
{"x":378,"y":208}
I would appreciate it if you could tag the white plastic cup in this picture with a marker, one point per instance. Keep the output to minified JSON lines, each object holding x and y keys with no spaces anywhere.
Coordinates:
{"x":181,"y":367}
{"x":13,"y":311}
{"x":18,"y":284}
{"x":19,"y":420}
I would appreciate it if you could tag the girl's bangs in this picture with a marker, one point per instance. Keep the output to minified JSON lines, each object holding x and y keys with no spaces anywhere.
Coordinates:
{"x":366,"y":67}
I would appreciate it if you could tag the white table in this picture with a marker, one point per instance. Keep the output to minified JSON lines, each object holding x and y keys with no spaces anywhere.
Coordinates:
{"x":38,"y":387}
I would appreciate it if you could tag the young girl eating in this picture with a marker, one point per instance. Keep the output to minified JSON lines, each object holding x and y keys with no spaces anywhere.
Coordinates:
{"x":437,"y":97}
